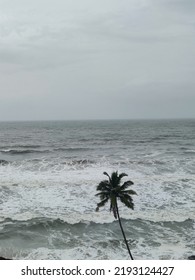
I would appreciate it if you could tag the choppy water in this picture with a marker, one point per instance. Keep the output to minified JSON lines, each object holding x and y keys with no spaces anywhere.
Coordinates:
{"x":48,"y":177}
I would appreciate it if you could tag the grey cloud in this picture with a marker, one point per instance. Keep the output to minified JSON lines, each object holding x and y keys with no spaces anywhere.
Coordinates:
{"x":96,"y":59}
{"x":186,"y":5}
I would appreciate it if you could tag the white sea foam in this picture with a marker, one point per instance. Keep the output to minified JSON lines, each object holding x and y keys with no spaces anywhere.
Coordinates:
{"x":51,"y":193}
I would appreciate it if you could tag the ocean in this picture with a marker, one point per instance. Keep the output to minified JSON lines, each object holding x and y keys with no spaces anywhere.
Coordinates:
{"x":48,"y":177}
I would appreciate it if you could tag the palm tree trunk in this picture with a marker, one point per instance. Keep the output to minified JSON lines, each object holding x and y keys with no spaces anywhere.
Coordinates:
{"x":123,"y":232}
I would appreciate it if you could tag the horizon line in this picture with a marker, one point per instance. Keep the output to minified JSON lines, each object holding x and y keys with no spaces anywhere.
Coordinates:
{"x":103,"y":119}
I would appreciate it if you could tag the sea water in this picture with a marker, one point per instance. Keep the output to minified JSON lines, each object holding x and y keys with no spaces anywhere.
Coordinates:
{"x":48,"y":177}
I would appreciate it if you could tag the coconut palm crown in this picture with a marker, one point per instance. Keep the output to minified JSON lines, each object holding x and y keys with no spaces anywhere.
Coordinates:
{"x":112,"y":190}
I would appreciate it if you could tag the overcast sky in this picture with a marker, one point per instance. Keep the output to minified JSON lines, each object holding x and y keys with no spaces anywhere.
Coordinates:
{"x":97,"y":59}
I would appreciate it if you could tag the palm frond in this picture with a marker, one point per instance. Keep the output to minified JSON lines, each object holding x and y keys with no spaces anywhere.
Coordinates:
{"x":130,"y":192}
{"x":125,"y":196}
{"x":126,"y":185}
{"x":105,"y":173}
{"x":122,"y":175}
{"x":102,"y":203}
{"x":113,"y":180}
{"x":103,"y":195}
{"x":103,"y":185}
{"x":127,"y":201}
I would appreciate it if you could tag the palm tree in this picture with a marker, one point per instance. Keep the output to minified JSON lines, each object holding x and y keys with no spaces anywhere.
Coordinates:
{"x":112,"y":190}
